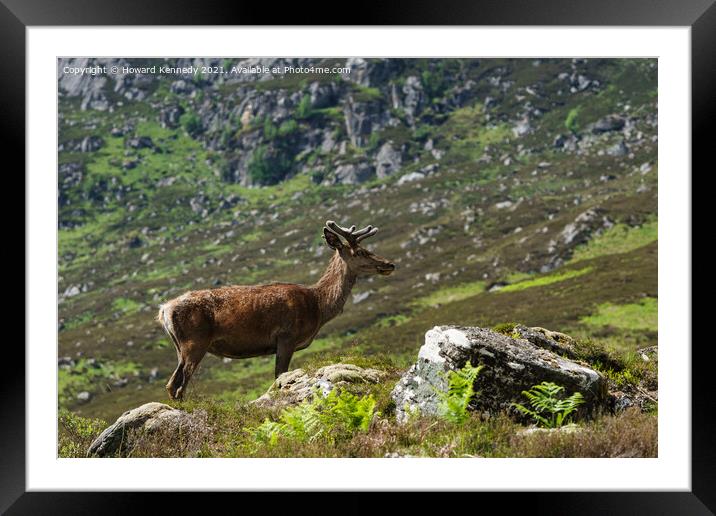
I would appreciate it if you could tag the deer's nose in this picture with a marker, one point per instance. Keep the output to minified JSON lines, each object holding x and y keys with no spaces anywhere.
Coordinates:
{"x":387,"y":267}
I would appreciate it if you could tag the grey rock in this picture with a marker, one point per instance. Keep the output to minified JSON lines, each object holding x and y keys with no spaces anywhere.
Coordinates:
{"x":387,"y":161}
{"x":632,"y":397}
{"x":584,"y":226}
{"x":522,"y":127}
{"x":91,"y":143}
{"x":322,"y":95}
{"x":566,"y":429}
{"x":554,"y":341}
{"x":65,"y":362}
{"x":370,"y":72}
{"x":618,"y":149}
{"x":413,"y":98}
{"x":295,"y":386}
{"x":411,"y":177}
{"x":608,"y":123}
{"x":361,"y":296}
{"x":140,"y":142}
{"x":84,"y":397}
{"x":649,"y":354}
{"x":511,"y":366}
{"x":180,"y":86}
{"x":169,"y":116}
{"x":354,"y":173}
{"x":362,"y":119}
{"x":149,"y":417}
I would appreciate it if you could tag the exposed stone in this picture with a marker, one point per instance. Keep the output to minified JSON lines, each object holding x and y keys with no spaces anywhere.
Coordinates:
{"x":140,"y":142}
{"x":409,"y":178}
{"x":149,"y":417}
{"x":295,"y":386}
{"x":169,"y":116}
{"x":618,"y":149}
{"x":566,"y":429}
{"x":387,"y":161}
{"x":413,"y":98}
{"x":608,"y":123}
{"x":91,"y":143}
{"x":555,"y":341}
{"x":512,"y":365}
{"x":353,"y":173}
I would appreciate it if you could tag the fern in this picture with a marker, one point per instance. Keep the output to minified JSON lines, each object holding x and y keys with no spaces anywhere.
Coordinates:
{"x":349,"y":410}
{"x":459,"y":394}
{"x":548,"y":409}
{"x":326,"y":417}
{"x":303,"y":422}
{"x":268,"y":432}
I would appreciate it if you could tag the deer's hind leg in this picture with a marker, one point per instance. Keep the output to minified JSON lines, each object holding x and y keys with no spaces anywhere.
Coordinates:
{"x":177,"y":376}
{"x":191,"y":353}
{"x":176,"y":380}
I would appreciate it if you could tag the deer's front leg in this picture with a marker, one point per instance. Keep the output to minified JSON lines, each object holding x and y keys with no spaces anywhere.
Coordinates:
{"x":284,"y":352}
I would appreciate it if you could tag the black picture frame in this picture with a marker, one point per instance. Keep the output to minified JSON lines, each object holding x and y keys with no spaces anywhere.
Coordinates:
{"x":699,"y":15}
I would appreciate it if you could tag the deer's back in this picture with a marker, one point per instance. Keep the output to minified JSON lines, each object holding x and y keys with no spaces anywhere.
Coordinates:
{"x":242,"y":316}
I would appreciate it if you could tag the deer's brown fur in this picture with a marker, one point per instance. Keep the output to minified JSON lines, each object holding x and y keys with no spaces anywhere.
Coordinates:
{"x":243,"y":321}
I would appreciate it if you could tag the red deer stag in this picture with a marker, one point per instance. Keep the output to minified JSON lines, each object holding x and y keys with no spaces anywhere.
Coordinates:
{"x":242,"y":321}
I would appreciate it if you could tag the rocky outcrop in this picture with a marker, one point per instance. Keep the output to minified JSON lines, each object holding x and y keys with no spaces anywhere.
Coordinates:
{"x":354,"y":173}
{"x":584,"y":227}
{"x":149,"y":418}
{"x":362,"y":119}
{"x":388,"y":160}
{"x":512,"y":364}
{"x":608,"y":123}
{"x":295,"y":386}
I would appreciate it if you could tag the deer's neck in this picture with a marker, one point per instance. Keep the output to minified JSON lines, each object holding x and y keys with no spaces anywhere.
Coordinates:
{"x":333,"y":288}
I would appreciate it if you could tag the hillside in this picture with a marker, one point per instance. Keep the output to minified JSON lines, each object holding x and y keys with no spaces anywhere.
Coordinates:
{"x":505,"y":190}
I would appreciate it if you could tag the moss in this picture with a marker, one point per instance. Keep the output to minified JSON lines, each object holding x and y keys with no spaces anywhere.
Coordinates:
{"x":506,"y":328}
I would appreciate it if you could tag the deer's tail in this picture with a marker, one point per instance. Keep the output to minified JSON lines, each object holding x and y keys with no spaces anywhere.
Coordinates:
{"x":164,"y":317}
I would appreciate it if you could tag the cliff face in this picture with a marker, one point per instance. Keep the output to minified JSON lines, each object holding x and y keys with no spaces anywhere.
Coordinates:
{"x":483,"y":174}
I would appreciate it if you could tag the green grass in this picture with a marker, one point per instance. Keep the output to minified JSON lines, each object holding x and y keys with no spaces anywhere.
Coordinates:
{"x":618,"y":239}
{"x":393,"y":320}
{"x":79,"y":320}
{"x":643,"y":315}
{"x":545,"y":280}
{"x":84,"y":376}
{"x":571,"y":122}
{"x":366,"y":93}
{"x":450,"y":294}
{"x":128,"y":306}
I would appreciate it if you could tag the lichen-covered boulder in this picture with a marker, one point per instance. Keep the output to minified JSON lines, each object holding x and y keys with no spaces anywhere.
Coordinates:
{"x":150,"y":417}
{"x":295,"y":386}
{"x":512,"y":364}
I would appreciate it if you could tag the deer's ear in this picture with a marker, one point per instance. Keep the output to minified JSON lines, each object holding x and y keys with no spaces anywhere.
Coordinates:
{"x":333,"y":240}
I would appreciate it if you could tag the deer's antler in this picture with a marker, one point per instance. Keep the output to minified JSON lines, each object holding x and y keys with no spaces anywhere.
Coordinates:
{"x":350,"y":234}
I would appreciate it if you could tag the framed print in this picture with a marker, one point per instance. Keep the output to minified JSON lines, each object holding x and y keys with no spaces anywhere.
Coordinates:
{"x":453,"y":257}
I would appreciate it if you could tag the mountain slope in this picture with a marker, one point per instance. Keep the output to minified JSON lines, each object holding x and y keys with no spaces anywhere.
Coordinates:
{"x":504,"y":190}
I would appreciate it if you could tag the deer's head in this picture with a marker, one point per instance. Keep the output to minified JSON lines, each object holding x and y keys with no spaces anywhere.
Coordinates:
{"x":359,"y":260}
